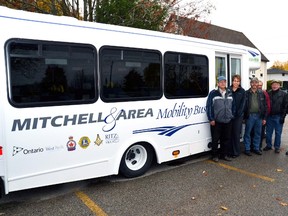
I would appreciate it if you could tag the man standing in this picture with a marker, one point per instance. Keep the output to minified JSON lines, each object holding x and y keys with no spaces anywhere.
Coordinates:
{"x":220,"y":109}
{"x":263,"y":131}
{"x":276,"y":118}
{"x":268,"y":103}
{"x":255,"y":116}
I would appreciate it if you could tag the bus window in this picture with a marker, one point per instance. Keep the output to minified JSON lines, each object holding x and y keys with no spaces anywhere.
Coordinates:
{"x":235,"y":66}
{"x":220,"y":67}
{"x":186,"y":75}
{"x":49,"y":73}
{"x":129,"y":74}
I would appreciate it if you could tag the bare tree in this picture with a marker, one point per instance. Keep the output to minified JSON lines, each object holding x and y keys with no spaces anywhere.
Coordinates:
{"x":190,"y":11}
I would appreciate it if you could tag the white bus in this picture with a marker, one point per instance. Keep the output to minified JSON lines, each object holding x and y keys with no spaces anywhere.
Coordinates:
{"x":81,"y":100}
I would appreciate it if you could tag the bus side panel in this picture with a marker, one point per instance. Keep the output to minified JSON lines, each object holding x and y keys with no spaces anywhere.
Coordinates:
{"x":175,"y":125}
{"x":58,"y":151}
{"x":46,"y":154}
{"x":61,"y":175}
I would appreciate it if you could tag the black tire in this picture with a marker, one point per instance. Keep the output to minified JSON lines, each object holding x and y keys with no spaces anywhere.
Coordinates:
{"x":136,"y":160}
{"x":2,"y":191}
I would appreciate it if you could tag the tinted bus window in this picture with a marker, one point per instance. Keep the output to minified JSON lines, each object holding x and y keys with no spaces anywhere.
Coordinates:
{"x":45,"y":73}
{"x":130,"y":74}
{"x":186,"y":75}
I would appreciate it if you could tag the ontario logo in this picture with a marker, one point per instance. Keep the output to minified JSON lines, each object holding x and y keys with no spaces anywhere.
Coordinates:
{"x":17,"y":150}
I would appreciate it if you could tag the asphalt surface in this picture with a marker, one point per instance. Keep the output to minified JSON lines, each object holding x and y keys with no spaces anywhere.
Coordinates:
{"x":256,"y":185}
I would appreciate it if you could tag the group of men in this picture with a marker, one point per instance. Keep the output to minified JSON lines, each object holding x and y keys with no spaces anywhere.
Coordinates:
{"x":261,"y":109}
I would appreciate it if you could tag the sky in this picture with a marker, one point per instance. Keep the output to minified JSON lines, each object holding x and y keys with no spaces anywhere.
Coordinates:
{"x":264,"y":23}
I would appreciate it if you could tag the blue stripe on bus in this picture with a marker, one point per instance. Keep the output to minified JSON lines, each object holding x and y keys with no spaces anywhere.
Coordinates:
{"x":166,"y":130}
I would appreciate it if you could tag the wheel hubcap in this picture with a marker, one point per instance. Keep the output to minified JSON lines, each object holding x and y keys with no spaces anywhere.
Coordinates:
{"x":136,"y":157}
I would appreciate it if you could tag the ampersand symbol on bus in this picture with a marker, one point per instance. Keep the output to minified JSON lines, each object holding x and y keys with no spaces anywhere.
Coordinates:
{"x":111,"y":119}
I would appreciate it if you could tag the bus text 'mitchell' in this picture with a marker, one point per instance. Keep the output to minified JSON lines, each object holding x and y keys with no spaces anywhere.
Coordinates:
{"x":77,"y":119}
{"x":57,"y":121}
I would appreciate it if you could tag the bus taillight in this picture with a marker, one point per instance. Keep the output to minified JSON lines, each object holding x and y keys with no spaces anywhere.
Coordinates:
{"x":1,"y":152}
{"x":176,"y":153}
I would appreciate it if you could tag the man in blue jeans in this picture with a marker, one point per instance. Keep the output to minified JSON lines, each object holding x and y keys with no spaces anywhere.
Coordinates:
{"x":277,"y":115}
{"x":255,"y":116}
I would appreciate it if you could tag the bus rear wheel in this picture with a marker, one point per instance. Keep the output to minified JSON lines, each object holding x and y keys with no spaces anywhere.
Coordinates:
{"x":136,"y":160}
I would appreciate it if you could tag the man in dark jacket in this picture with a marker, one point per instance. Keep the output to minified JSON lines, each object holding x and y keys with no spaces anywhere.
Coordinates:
{"x":263,"y":131}
{"x":277,"y":115}
{"x":220,"y":109}
{"x":254,"y":116}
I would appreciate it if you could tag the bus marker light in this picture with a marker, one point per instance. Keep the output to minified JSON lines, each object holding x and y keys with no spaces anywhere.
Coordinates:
{"x":176,"y":153}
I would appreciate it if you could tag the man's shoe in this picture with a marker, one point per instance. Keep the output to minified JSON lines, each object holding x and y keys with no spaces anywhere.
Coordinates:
{"x":226,"y":158}
{"x":287,"y":153}
{"x":215,"y":159}
{"x":248,"y":153}
{"x":257,"y":152}
{"x":267,"y":148}
{"x":277,"y":150}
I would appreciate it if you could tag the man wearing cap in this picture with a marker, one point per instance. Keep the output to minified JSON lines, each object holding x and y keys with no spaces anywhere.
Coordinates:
{"x":263,"y":131}
{"x":277,"y":115}
{"x":220,"y":110}
{"x":255,"y":114}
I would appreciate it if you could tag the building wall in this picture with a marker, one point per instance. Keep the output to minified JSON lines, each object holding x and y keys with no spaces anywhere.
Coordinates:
{"x":261,"y":74}
{"x":277,"y":77}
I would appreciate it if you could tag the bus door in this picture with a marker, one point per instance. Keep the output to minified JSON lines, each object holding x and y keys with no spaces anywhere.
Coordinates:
{"x":235,"y":66}
{"x":227,"y":65}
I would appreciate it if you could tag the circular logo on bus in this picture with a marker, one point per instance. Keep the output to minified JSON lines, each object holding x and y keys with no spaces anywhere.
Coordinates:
{"x":84,"y":142}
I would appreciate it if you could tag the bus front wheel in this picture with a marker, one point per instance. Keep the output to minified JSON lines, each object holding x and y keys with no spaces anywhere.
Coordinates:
{"x":136,"y":160}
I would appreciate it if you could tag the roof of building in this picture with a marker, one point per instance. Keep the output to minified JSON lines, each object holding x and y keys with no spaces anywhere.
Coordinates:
{"x":204,"y":30}
{"x":276,"y":71}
